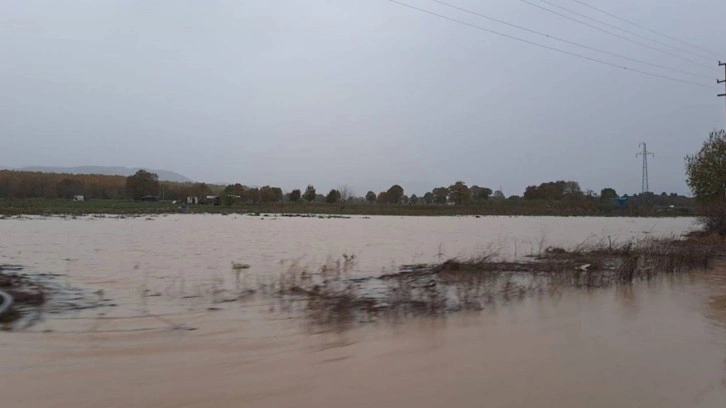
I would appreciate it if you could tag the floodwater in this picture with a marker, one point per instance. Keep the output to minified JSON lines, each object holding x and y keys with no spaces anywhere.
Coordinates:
{"x":172,"y":335}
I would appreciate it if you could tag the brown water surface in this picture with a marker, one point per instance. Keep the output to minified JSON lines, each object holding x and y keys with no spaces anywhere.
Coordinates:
{"x":173,"y":341}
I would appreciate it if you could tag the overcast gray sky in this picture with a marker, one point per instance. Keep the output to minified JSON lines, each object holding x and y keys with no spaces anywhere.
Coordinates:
{"x":360,"y":92}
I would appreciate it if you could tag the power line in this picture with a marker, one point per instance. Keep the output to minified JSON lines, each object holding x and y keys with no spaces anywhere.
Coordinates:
{"x":644,"y":27}
{"x":614,"y":34}
{"x":599,"y":61}
{"x":700,"y":55}
{"x":584,"y":46}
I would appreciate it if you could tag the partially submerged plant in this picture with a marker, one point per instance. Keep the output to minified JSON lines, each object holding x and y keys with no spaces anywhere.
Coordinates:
{"x":239,"y":265}
{"x":332,"y":296}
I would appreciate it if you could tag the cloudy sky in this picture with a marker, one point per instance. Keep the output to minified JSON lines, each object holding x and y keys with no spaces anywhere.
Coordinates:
{"x":359,"y":92}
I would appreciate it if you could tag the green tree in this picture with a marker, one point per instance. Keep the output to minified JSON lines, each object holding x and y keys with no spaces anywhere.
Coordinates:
{"x":294,"y":195}
{"x":607,"y":194}
{"x":394,"y":195}
{"x":480,"y":193}
{"x":333,"y":196}
{"x":309,"y":193}
{"x":440,"y":194}
{"x":277,"y":191}
{"x":554,"y":190}
{"x":142,"y":184}
{"x":428,"y":198}
{"x":227,"y":196}
{"x":706,"y":170}
{"x":371,"y":197}
{"x":459,"y":193}
{"x":413,"y":200}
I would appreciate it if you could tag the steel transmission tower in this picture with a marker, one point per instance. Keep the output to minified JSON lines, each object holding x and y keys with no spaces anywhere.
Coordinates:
{"x":722,"y":81}
{"x":644,"y":183}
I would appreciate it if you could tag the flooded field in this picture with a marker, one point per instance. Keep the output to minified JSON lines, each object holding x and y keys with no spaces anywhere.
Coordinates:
{"x":160,"y":312}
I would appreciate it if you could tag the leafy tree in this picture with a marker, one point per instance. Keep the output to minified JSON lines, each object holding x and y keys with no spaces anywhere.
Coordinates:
{"x":142,"y":184}
{"x":371,"y":197}
{"x":498,"y":195}
{"x":253,"y":195}
{"x":228,"y":196}
{"x":382,"y":197}
{"x":277,"y":191}
{"x":394,"y":195}
{"x":428,"y":198}
{"x":309,"y":193}
{"x":413,"y":200}
{"x":333,"y":196}
{"x":67,"y":188}
{"x":480,"y":193}
{"x":572,"y":190}
{"x":268,"y":194}
{"x":607,"y":194}
{"x":706,"y":170}
{"x":554,"y":190}
{"x":294,"y":195}
{"x":243,"y":194}
{"x":440,"y":194}
{"x":459,"y":193}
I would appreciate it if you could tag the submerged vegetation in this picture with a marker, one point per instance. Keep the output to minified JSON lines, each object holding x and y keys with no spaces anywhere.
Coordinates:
{"x":339,"y":294}
{"x":333,"y":296}
{"x":36,"y":294}
{"x":24,"y":292}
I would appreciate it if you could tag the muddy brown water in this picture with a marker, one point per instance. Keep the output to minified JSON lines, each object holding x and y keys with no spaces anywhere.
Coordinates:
{"x":172,"y":339}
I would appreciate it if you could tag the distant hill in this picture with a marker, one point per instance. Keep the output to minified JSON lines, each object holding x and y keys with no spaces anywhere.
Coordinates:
{"x":164,"y":175}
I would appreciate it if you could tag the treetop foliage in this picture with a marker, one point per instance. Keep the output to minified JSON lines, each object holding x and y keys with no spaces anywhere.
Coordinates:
{"x":706,"y":170}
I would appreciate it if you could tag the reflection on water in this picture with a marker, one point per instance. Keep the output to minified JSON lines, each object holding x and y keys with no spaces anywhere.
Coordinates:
{"x":628,"y":300}
{"x":716,"y":299}
{"x":651,"y":345}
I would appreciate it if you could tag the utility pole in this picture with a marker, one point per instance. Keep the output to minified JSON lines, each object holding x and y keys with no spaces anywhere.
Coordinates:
{"x":644,"y":181}
{"x":719,"y":81}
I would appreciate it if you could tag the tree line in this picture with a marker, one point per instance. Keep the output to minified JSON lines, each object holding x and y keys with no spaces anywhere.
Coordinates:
{"x":27,"y":184}
{"x":23,"y":184}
